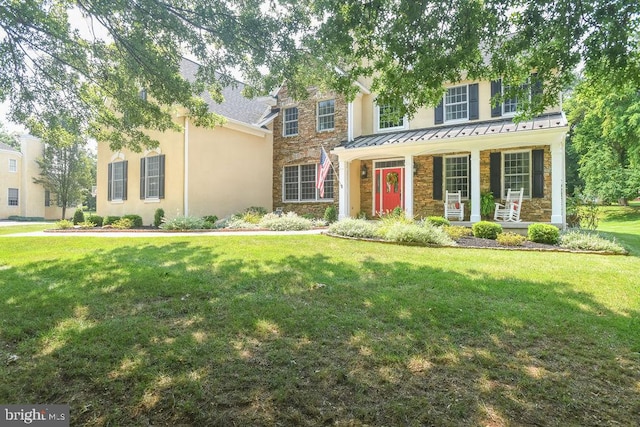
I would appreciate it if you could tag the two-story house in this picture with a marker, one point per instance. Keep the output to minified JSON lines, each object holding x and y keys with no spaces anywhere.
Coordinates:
{"x":464,"y":144}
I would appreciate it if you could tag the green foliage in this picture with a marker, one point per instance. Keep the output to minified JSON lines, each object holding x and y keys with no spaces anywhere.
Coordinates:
{"x":425,"y":234}
{"x":487,"y":204}
{"x":109,"y":220}
{"x":123,"y":223}
{"x":438,"y":221}
{"x":136,"y":220}
{"x":183,"y":223}
{"x":331,"y":214}
{"x":11,"y":139}
{"x":457,"y":232}
{"x":589,"y":241}
{"x":210,"y":220}
{"x":87,"y":224}
{"x":286,"y":222}
{"x":158,"y":217}
{"x":486,"y":229}
{"x":96,"y":219}
{"x":510,"y":238}
{"x":78,"y":217}
{"x":257,"y":210}
{"x":543,"y":233}
{"x":355,"y":227}
{"x":63,"y":224}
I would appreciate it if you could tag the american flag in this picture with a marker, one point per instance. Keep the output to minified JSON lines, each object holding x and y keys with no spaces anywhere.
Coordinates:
{"x":323,"y":170}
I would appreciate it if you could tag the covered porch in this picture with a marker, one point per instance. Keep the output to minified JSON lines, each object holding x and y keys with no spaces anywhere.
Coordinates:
{"x":415,"y":158}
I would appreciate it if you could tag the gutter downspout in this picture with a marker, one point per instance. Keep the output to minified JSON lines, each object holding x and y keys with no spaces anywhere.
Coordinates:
{"x":186,"y":166}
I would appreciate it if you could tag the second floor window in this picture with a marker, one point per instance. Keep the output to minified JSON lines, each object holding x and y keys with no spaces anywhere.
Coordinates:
{"x":13,"y":165}
{"x":389,"y":118}
{"x":326,"y":115}
{"x":290,"y":121}
{"x":456,"y":104}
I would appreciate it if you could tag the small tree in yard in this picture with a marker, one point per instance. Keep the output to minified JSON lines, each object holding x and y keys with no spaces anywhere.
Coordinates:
{"x":65,"y":165}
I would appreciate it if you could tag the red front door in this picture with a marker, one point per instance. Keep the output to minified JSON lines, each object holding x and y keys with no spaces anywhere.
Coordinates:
{"x":389,"y":189}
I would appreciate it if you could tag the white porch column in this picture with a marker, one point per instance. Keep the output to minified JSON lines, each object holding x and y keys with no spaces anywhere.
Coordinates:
{"x":557,"y":183}
{"x":350,"y":121}
{"x":186,"y":166}
{"x":343,"y":192}
{"x":408,"y":186}
{"x":475,"y":186}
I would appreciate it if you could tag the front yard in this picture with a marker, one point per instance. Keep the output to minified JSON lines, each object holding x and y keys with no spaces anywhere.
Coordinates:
{"x":310,"y":330}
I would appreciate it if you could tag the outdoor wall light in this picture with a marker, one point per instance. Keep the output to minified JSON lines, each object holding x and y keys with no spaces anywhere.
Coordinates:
{"x":364,"y":171}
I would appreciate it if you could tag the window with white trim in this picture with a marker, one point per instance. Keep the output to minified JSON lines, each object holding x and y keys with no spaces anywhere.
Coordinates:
{"x":13,"y":165}
{"x":152,"y":177}
{"x":510,"y":105}
{"x":388,"y":118}
{"x":290,"y":121}
{"x":12,"y":198}
{"x":118,"y":180}
{"x":456,"y":175}
{"x":326,"y":115}
{"x":456,"y":103}
{"x":300,"y":184}
{"x":516,"y":172}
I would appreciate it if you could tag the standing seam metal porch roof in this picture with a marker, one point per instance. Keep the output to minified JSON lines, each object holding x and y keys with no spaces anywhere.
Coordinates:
{"x":467,"y":129}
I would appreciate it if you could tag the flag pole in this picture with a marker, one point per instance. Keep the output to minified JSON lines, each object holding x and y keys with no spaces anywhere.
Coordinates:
{"x":335,"y":172}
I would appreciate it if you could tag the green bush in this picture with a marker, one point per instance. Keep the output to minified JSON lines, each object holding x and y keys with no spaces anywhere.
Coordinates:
{"x":256,"y":210}
{"x":511,"y":239}
{"x":235,"y":223}
{"x":210,"y":220}
{"x":486,"y":230}
{"x":457,"y":232}
{"x":543,"y":233}
{"x":285,"y":222}
{"x":355,"y":227}
{"x":136,"y":220}
{"x":183,"y":223}
{"x":438,"y":221}
{"x":589,"y":241}
{"x":96,"y":219}
{"x":87,"y":224}
{"x":123,"y":224}
{"x":426,"y":234}
{"x":250,"y":216}
{"x":108,"y":220}
{"x":63,"y":224}
{"x":331,"y":214}
{"x":158,"y":217}
{"x":78,"y":217}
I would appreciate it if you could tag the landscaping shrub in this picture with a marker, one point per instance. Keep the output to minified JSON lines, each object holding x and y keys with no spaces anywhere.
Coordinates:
{"x":78,"y":216}
{"x":136,"y":220}
{"x":236,"y":223}
{"x":355,"y":227}
{"x":87,"y":224}
{"x":438,"y":221}
{"x":108,"y":220}
{"x":123,"y":224}
{"x":426,"y":234}
{"x":589,"y":241}
{"x":543,"y":233}
{"x":210,"y":221}
{"x":331,"y":214}
{"x":285,"y":222}
{"x":457,"y":231}
{"x":158,"y":217}
{"x":96,"y":219}
{"x":64,"y":224}
{"x":183,"y":223}
{"x":511,"y":239}
{"x":258,"y":210}
{"x":486,"y":230}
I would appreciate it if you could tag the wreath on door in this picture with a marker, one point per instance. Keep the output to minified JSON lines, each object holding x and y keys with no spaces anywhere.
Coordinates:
{"x":392,"y":180}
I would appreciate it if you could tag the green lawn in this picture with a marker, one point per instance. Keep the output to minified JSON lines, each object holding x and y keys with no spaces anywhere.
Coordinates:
{"x":311,"y":330}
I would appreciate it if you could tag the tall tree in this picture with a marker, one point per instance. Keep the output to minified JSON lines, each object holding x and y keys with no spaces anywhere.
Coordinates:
{"x":606,"y":136}
{"x":11,"y":139}
{"x":65,"y":166}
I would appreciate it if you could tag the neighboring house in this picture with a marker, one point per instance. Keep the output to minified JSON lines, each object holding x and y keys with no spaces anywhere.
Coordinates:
{"x":197,"y":171}
{"x":464,"y":144}
{"x":19,"y":195}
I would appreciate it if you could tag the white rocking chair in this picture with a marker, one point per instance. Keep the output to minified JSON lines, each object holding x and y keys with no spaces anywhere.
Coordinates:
{"x":453,"y":205}
{"x":510,"y":210}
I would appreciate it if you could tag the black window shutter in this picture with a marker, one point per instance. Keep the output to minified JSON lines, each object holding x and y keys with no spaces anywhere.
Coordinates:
{"x":109,"y":180}
{"x":495,"y":174}
{"x":143,"y":163}
{"x":536,"y":86}
{"x":439,"y":112}
{"x":474,"y":103}
{"x":538,"y":173}
{"x":125,"y":176}
{"x":496,"y":90}
{"x":161,"y":189}
{"x":437,"y":178}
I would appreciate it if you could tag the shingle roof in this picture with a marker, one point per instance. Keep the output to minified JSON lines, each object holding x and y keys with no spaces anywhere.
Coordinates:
{"x":4,"y":146}
{"x":469,"y":129}
{"x":235,"y":106}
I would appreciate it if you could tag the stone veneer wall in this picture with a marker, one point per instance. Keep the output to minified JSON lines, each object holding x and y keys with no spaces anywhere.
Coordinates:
{"x":304,"y":148}
{"x":533,"y":210}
